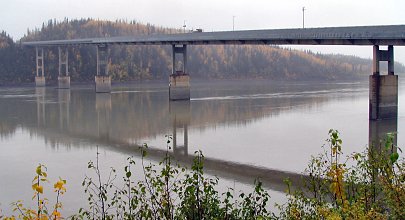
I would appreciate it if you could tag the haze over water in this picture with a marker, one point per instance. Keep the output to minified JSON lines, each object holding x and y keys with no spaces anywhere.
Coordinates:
{"x":237,"y":125}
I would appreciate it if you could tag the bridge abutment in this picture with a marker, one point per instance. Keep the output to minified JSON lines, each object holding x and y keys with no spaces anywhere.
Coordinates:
{"x":179,"y":81}
{"x":383,"y":89}
{"x":102,"y":79}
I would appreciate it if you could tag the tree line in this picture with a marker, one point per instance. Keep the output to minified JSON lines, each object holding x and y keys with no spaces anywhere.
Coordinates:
{"x":17,"y":64}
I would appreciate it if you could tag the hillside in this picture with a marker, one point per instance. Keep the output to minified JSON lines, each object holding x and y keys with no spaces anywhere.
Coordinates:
{"x":154,"y":62}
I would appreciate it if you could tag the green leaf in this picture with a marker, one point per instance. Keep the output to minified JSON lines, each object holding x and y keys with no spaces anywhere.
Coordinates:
{"x":394,"y":157}
{"x":128,"y":174}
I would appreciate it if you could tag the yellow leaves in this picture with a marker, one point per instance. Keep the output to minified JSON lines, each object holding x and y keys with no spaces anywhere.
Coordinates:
{"x":56,"y":215}
{"x":336,"y":174}
{"x":334,"y":149}
{"x":333,"y":216}
{"x":328,"y":213}
{"x":39,"y":171}
{"x":41,"y":212}
{"x":60,"y":186}
{"x":295,"y":213}
{"x":38,"y":188}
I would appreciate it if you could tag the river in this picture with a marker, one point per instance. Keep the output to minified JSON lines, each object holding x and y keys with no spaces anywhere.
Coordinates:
{"x":244,"y":128}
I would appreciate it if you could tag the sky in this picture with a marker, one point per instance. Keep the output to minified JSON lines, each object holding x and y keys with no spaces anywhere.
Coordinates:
{"x":16,"y":16}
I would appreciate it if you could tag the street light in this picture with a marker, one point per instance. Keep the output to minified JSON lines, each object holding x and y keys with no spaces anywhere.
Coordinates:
{"x":303,"y":17}
{"x":184,"y":26}
{"x":233,"y":23}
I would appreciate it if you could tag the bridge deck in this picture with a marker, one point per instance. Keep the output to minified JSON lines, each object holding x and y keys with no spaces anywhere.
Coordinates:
{"x":360,"y":35}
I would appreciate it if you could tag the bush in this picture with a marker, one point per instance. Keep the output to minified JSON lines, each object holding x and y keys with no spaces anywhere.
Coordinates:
{"x":372,"y":188}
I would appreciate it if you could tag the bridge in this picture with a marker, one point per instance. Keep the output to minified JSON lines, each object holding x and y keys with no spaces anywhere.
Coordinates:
{"x":383,"y":88}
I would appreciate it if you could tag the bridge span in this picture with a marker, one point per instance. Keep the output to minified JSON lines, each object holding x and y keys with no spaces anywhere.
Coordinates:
{"x":383,"y":88}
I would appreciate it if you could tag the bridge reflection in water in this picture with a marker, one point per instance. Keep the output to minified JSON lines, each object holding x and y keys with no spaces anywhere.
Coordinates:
{"x":95,"y":118}
{"x":180,"y":116}
{"x":378,"y":131}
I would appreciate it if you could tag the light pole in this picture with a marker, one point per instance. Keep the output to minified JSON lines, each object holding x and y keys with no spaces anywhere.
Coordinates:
{"x":303,"y":17}
{"x":184,"y":26}
{"x":233,"y":23}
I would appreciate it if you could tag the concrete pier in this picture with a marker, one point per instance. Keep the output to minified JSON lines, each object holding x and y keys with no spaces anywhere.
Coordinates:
{"x":40,"y":77}
{"x":383,"y":97}
{"x":179,"y":81}
{"x":383,"y":89}
{"x":40,"y":81}
{"x":64,"y":82}
{"x":63,"y":78}
{"x":102,"y":79}
{"x":103,"y":84}
{"x":179,"y":86}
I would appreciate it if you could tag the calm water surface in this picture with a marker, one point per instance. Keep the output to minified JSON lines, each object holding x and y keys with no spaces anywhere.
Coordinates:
{"x":244,"y":128}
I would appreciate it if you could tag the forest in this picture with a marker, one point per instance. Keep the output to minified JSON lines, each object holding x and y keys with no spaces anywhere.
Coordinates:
{"x":134,"y":63}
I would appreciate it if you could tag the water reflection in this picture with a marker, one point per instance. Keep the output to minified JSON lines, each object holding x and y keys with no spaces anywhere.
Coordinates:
{"x":123,"y":120}
{"x":103,"y":109}
{"x":40,"y":93}
{"x":133,"y":116}
{"x":378,"y":131}
{"x":64,"y":108}
{"x":180,"y":116}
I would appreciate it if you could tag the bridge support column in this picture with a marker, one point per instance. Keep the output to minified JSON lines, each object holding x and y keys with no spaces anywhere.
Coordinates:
{"x":383,"y":89}
{"x":102,"y":79}
{"x":179,"y":81}
{"x":63,"y":78}
{"x":40,"y":78}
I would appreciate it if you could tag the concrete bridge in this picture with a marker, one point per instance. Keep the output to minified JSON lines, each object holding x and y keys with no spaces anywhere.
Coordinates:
{"x":383,"y":88}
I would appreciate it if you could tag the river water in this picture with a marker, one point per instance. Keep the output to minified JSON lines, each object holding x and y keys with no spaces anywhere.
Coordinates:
{"x":245,"y":129}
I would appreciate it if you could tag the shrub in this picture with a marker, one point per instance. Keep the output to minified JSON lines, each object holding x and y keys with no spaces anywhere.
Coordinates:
{"x":373,"y":188}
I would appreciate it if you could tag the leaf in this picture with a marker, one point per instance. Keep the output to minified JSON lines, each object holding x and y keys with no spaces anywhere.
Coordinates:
{"x":38,"y":170}
{"x":128,"y":174}
{"x":394,"y":157}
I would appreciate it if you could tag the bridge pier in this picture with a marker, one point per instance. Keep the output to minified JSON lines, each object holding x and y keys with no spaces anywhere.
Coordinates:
{"x":39,"y":78}
{"x":383,"y":89}
{"x":102,"y":79}
{"x":63,"y":78}
{"x":179,"y":81}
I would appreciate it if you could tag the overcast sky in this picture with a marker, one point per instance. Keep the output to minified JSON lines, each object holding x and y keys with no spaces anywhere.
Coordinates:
{"x":16,"y":16}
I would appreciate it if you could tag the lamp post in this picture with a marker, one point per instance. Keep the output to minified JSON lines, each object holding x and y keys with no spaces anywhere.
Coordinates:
{"x":233,"y":23}
{"x":303,"y":17}
{"x":184,"y":26}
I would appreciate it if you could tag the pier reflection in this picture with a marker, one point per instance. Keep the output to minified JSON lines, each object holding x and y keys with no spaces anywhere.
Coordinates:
{"x":40,"y":93}
{"x":378,"y":131}
{"x":64,"y":108}
{"x":180,"y":116}
{"x":103,"y":109}
{"x":123,"y":120}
